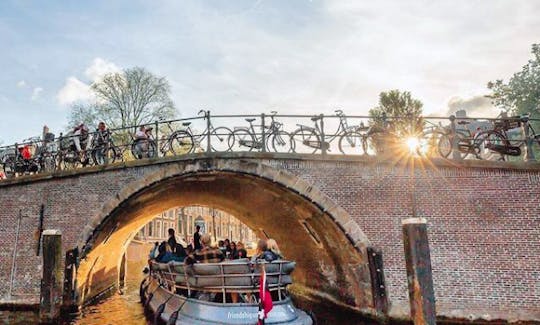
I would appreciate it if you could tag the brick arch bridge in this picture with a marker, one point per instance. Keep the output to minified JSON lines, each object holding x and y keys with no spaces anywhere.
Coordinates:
{"x":484,"y":222}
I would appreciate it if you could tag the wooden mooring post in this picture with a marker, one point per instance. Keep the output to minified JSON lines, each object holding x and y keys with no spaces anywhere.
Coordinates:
{"x":419,"y":279}
{"x":51,"y":281}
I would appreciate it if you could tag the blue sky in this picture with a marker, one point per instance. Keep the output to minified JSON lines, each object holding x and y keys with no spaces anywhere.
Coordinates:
{"x":252,"y":56}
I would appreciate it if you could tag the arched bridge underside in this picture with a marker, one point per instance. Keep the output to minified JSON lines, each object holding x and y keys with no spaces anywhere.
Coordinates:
{"x":484,"y":222}
{"x":329,"y":253}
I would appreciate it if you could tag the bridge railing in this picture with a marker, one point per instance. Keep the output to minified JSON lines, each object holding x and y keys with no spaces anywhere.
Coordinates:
{"x":335,"y":134}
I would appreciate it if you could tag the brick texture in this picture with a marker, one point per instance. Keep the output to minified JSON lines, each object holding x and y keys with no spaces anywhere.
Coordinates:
{"x":484,"y":222}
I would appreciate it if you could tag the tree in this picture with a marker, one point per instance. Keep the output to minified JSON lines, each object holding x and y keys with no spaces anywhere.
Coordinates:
{"x":128,"y":98}
{"x":521,"y":94}
{"x":399,"y":109}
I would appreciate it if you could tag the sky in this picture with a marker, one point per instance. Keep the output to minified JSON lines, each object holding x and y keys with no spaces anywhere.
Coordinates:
{"x":234,"y":57}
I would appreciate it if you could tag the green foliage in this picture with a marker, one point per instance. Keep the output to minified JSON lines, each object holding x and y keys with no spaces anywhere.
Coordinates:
{"x":399,"y":110}
{"x":521,"y":94}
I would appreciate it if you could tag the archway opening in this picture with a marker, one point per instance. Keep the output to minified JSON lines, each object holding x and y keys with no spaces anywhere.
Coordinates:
{"x":329,"y":265}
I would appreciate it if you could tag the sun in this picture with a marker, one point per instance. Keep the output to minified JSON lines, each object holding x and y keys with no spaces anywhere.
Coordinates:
{"x":413,"y":144}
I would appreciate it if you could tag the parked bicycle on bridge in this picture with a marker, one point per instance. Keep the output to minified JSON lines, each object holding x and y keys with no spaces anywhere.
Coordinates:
{"x":246,"y":138}
{"x":508,"y":137}
{"x":310,"y":139}
{"x":186,"y":141}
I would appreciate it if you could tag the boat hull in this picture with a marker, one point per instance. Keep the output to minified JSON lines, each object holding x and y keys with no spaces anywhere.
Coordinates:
{"x":179,"y":310}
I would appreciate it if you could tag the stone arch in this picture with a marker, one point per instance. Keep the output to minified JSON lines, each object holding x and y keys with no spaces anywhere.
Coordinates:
{"x":288,"y":180}
{"x":340,"y":276}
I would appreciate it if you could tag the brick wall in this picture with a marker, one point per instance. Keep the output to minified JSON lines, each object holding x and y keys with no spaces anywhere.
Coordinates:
{"x":484,"y":223}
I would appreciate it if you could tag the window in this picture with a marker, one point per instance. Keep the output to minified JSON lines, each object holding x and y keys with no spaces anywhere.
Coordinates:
{"x":180,"y":220}
{"x":150,"y":229}
{"x":158,"y":229}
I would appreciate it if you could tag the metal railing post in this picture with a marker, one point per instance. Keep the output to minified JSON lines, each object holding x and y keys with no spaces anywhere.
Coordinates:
{"x":323,"y":143}
{"x":529,"y":153}
{"x":454,"y":139}
{"x":263,"y":137}
{"x":208,"y":126}
{"x":156,"y":126}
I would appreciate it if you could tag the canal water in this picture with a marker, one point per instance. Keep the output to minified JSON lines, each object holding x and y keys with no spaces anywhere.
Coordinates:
{"x":125,"y":309}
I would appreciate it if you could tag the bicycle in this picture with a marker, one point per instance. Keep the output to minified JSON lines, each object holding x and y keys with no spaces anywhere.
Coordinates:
{"x":310,"y":137}
{"x":21,"y":160}
{"x":144,"y":147}
{"x":501,"y":141}
{"x":277,"y":138}
{"x":103,"y":150}
{"x":438,"y":140}
{"x":68,"y":157}
{"x":186,"y":141}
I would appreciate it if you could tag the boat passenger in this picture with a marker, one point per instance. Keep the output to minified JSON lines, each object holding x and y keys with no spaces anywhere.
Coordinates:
{"x":263,"y":253}
{"x":172,"y":239}
{"x":180,"y":252}
{"x":165,"y":254}
{"x":206,"y":254}
{"x":240,"y":251}
{"x":233,"y":252}
{"x":274,"y":248}
{"x":197,"y":238}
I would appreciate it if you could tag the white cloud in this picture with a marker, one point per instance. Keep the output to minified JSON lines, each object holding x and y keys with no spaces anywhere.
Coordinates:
{"x":21,"y":84}
{"x":74,"y":90}
{"x":100,"y":68}
{"x":36,"y":92}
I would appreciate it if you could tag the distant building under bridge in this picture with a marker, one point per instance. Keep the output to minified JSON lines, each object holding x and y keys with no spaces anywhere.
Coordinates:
{"x":219,"y":224}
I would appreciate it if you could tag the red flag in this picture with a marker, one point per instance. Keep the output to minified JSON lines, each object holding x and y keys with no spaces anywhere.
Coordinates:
{"x":265,"y":301}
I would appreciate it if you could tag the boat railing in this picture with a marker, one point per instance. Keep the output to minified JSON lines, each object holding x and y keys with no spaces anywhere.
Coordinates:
{"x":225,"y":277}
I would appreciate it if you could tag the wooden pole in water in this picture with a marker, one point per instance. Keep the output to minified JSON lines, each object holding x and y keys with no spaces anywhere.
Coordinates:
{"x":51,"y":282}
{"x":419,"y":279}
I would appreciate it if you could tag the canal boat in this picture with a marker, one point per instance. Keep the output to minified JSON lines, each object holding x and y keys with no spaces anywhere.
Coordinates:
{"x":203,"y":293}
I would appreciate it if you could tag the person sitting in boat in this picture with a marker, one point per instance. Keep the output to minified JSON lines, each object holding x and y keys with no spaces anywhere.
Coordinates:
{"x":206,"y":254}
{"x":233,"y":252}
{"x":165,"y":254}
{"x":240,"y":251}
{"x":274,"y":248}
{"x":263,"y":253}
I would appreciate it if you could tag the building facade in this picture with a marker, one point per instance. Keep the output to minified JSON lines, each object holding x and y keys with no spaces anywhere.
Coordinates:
{"x":219,"y":224}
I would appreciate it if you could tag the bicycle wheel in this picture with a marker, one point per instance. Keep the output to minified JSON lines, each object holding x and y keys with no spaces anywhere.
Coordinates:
{"x":486,"y":142}
{"x":305,"y":141}
{"x":350,"y":143}
{"x":180,"y":143}
{"x":466,"y":145}
{"x":444,"y":146}
{"x":141,"y":149}
{"x":104,"y":155}
{"x":219,"y":139}
{"x":281,"y":142}
{"x":71,"y":160}
{"x":242,"y":140}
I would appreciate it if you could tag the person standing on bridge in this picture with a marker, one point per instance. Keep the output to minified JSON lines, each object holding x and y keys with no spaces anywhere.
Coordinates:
{"x":197,"y":238}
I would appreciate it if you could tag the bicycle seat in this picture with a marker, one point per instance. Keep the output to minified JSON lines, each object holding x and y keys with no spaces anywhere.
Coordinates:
{"x":463,"y":122}
{"x":315,"y":118}
{"x":250,"y":119}
{"x":186,"y":123}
